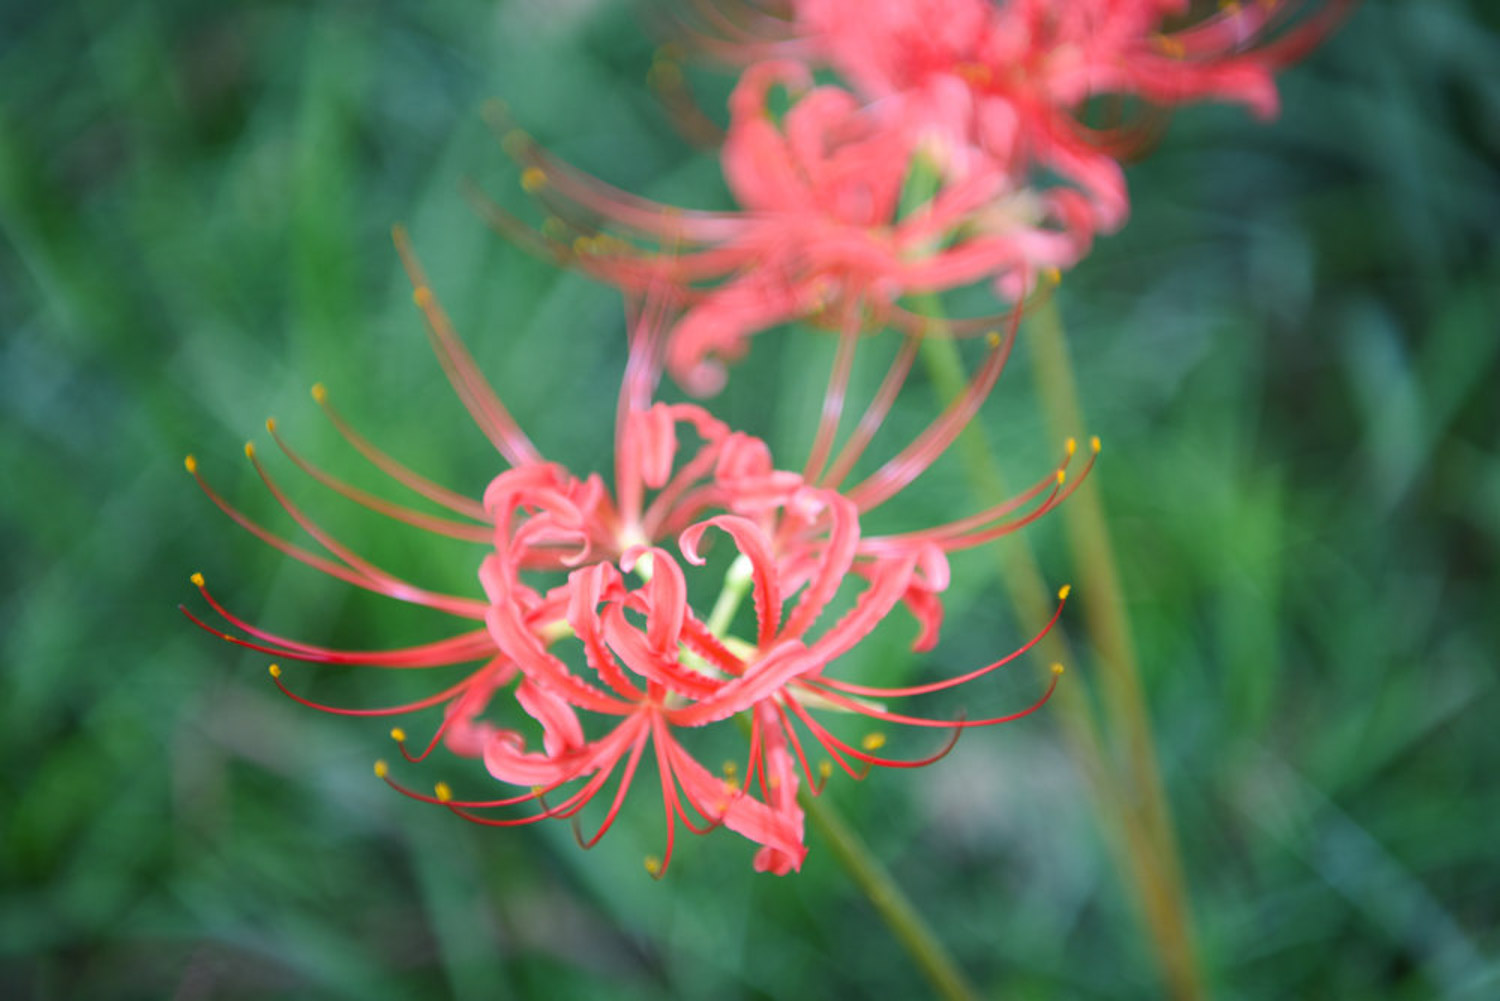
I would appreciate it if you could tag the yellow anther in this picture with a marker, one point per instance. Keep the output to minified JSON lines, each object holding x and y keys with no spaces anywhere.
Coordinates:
{"x":975,"y":73}
{"x":664,"y":74}
{"x":653,"y":865}
{"x":1062,"y":476}
{"x":191,"y":464}
{"x":271,"y":424}
{"x":582,"y":245}
{"x":422,"y":296}
{"x":274,"y":670}
{"x":533,"y":179}
{"x":1072,"y":446}
{"x":873,"y":741}
{"x":992,"y":338}
{"x":1053,"y":275}
{"x":398,"y":734}
{"x":1170,"y":46}
{"x":382,"y":769}
{"x":249,"y":449}
{"x":538,"y":790}
{"x":730,"y":769}
{"x":443,"y":792}
{"x":197,"y":579}
{"x":1095,"y":444}
{"x":1057,"y":669}
{"x":825,"y":769}
{"x":1064,"y":591}
{"x":319,"y":392}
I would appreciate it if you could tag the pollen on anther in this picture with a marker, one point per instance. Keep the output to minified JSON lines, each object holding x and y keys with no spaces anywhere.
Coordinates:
{"x":1062,"y":476}
{"x":1170,"y":46}
{"x":1057,"y":669}
{"x":1095,"y":444}
{"x":653,"y":865}
{"x":274,"y":670}
{"x":271,"y":424}
{"x":249,"y":449}
{"x":197,"y":579}
{"x":730,"y":769}
{"x":873,"y":741}
{"x":1064,"y":591}
{"x":382,"y":769}
{"x":319,"y":392}
{"x":1054,"y":276}
{"x":992,"y":338}
{"x":191,"y":463}
{"x":533,"y":179}
{"x":1072,"y":446}
{"x":398,"y":734}
{"x":825,"y":769}
{"x":443,"y":792}
{"x":422,"y":296}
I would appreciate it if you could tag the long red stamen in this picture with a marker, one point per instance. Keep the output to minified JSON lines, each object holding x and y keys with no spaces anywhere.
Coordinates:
{"x":913,"y":460}
{"x":455,"y":502}
{"x":407,"y":707}
{"x":388,"y":584}
{"x":483,"y":405}
{"x":890,"y":717}
{"x":849,"y":688}
{"x":470,"y":610}
{"x":397,"y":512}
{"x":874,"y":415}
{"x":834,"y":395}
{"x":636,"y":747}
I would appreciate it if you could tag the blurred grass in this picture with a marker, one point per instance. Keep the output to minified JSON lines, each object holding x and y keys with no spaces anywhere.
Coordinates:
{"x":1291,"y":351}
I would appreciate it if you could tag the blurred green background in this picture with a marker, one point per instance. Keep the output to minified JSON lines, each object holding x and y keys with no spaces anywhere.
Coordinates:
{"x":1291,"y":350}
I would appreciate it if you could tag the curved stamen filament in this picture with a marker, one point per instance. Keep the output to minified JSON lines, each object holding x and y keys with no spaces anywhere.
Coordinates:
{"x":912,"y":461}
{"x":470,"y":610}
{"x":483,"y":405}
{"x":457,"y":649}
{"x":407,"y":707}
{"x":397,"y":512}
{"x":890,"y":717}
{"x":453,"y":501}
{"x":834,"y":395}
{"x":388,"y":583}
{"x":874,"y":415}
{"x":870,"y":691}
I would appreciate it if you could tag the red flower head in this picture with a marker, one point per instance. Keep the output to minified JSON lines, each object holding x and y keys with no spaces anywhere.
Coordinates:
{"x":587,"y":608}
{"x":829,"y":224}
{"x":1006,"y":82}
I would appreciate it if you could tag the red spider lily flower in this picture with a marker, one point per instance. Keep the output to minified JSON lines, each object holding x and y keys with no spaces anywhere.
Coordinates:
{"x":1007,"y":81}
{"x":821,"y":228}
{"x":586,"y":612}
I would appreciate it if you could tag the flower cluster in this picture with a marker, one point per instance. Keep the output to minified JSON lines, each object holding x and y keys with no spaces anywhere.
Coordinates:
{"x":965,"y":141}
{"x":605,"y":621}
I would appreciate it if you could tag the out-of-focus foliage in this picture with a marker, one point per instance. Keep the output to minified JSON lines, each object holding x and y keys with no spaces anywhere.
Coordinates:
{"x":1292,"y":349}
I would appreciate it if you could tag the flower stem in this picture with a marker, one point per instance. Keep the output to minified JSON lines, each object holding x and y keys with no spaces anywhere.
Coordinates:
{"x":889,"y":901}
{"x":853,"y":854}
{"x":1139,"y":834}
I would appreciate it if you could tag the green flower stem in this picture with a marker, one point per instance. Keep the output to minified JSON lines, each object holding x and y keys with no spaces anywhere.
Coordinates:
{"x":1109,"y":627}
{"x":1138,"y":835}
{"x":889,"y":901}
{"x":853,"y":854}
